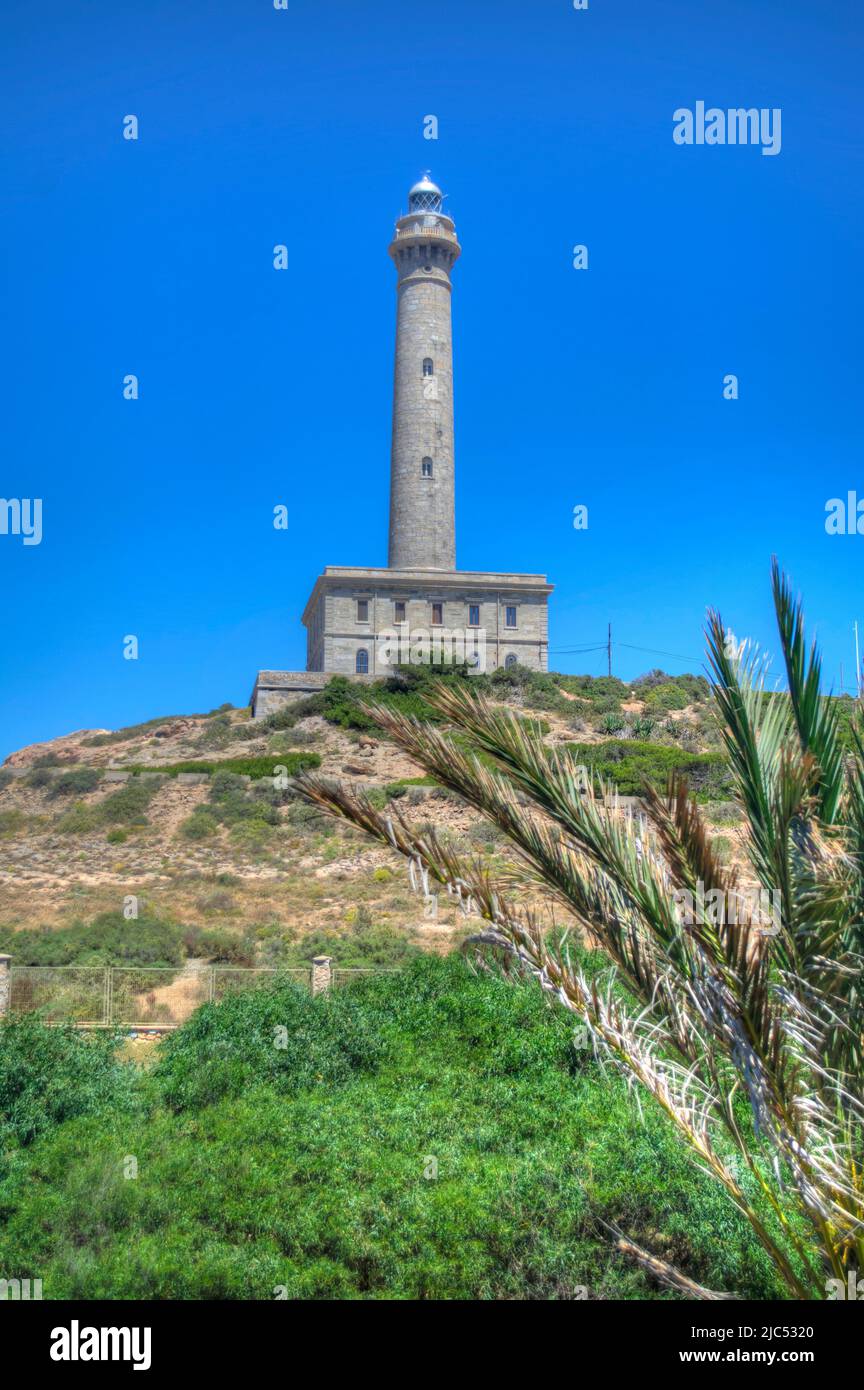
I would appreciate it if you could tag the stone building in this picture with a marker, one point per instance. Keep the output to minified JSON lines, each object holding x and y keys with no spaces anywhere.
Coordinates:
{"x":362,"y":621}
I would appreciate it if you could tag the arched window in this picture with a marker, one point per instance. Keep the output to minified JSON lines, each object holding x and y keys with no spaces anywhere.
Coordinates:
{"x":510,"y":660}
{"x":361,"y":664}
{"x":428,"y":366}
{"x":426,"y":468}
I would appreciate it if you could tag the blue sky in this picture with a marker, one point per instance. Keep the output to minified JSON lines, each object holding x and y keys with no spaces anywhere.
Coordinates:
{"x":258,"y":387}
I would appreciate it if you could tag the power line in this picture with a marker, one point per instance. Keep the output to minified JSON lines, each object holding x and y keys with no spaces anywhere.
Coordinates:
{"x":576,"y":651}
{"x":604,"y":646}
{"x":656,"y":652}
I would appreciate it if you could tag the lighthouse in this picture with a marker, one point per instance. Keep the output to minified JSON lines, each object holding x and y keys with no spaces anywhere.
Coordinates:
{"x":354,"y":610}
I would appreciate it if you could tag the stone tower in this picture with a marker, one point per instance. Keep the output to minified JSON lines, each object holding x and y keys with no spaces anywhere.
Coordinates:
{"x":422,"y":507}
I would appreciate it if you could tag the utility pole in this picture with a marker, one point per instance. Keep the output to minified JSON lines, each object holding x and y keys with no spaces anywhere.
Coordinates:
{"x":857,"y":664}
{"x":609,"y":649}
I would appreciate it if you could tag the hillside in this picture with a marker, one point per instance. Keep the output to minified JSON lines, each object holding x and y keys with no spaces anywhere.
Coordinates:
{"x":96,"y":816}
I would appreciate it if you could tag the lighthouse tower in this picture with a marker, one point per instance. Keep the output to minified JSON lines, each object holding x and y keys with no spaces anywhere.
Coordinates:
{"x":422,"y":505}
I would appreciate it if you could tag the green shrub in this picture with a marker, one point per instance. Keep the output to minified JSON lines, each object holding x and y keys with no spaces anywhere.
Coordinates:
{"x":12,"y":821}
{"x":117,"y":837}
{"x":252,"y":833}
{"x":110,"y":939}
{"x":666,"y":697}
{"x":602,"y":692}
{"x":49,"y":1075}
{"x":80,"y":819}
{"x":628,"y":764}
{"x":277,"y":1034}
{"x":311,"y":1166}
{"x":199,"y":826}
{"x":40,"y":777}
{"x":219,"y":946}
{"x":76,"y":782}
{"x":291,"y":738}
{"x":612,"y":723}
{"x":129,"y":805}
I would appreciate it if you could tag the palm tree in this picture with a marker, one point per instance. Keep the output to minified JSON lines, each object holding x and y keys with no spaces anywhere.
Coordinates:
{"x":748,"y":1033}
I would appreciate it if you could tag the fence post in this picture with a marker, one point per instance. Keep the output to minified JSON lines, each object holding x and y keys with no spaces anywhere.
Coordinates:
{"x":5,"y":985}
{"x":322,"y":975}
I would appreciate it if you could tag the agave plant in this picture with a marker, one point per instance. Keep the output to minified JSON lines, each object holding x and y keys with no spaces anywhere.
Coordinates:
{"x":746,"y":1029}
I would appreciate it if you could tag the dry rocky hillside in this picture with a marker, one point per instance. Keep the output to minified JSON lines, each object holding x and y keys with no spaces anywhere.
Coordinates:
{"x":88,"y":820}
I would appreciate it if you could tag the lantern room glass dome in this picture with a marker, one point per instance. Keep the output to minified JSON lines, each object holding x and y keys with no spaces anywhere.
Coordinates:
{"x":425,"y":196}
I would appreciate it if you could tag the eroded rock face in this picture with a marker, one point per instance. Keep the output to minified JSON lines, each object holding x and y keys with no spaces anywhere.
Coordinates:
{"x":66,"y":749}
{"x":179,"y":726}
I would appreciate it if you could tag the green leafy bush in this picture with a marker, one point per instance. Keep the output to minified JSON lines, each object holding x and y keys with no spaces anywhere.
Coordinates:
{"x":110,"y":939}
{"x":276,"y":1035}
{"x":129,"y":805}
{"x":49,"y":1075}
{"x":80,"y":819}
{"x":216,"y":732}
{"x":199,"y":826}
{"x":12,"y":821}
{"x":399,"y":1147}
{"x":77,"y":782}
{"x":40,"y":778}
{"x":629,"y":763}
{"x":666,"y":697}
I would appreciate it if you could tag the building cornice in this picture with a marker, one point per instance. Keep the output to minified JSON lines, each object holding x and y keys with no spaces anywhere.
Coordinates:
{"x":437,"y":581}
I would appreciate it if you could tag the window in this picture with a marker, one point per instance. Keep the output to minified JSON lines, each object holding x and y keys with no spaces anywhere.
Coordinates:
{"x":399,"y":613}
{"x":437,"y":614}
{"x":510,"y":617}
{"x":361,"y":662}
{"x":426,"y":468}
{"x":362,"y":610}
{"x":473,"y":615}
{"x":428,"y":367}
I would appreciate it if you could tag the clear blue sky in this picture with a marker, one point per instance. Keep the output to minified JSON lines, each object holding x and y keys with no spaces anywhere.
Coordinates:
{"x":603,"y":387}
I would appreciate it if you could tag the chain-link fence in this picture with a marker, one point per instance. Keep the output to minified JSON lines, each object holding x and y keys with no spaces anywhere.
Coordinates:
{"x":130,"y":996}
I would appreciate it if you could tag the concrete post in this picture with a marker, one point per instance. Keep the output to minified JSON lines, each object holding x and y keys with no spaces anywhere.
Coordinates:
{"x":322,"y":975}
{"x":5,"y":985}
